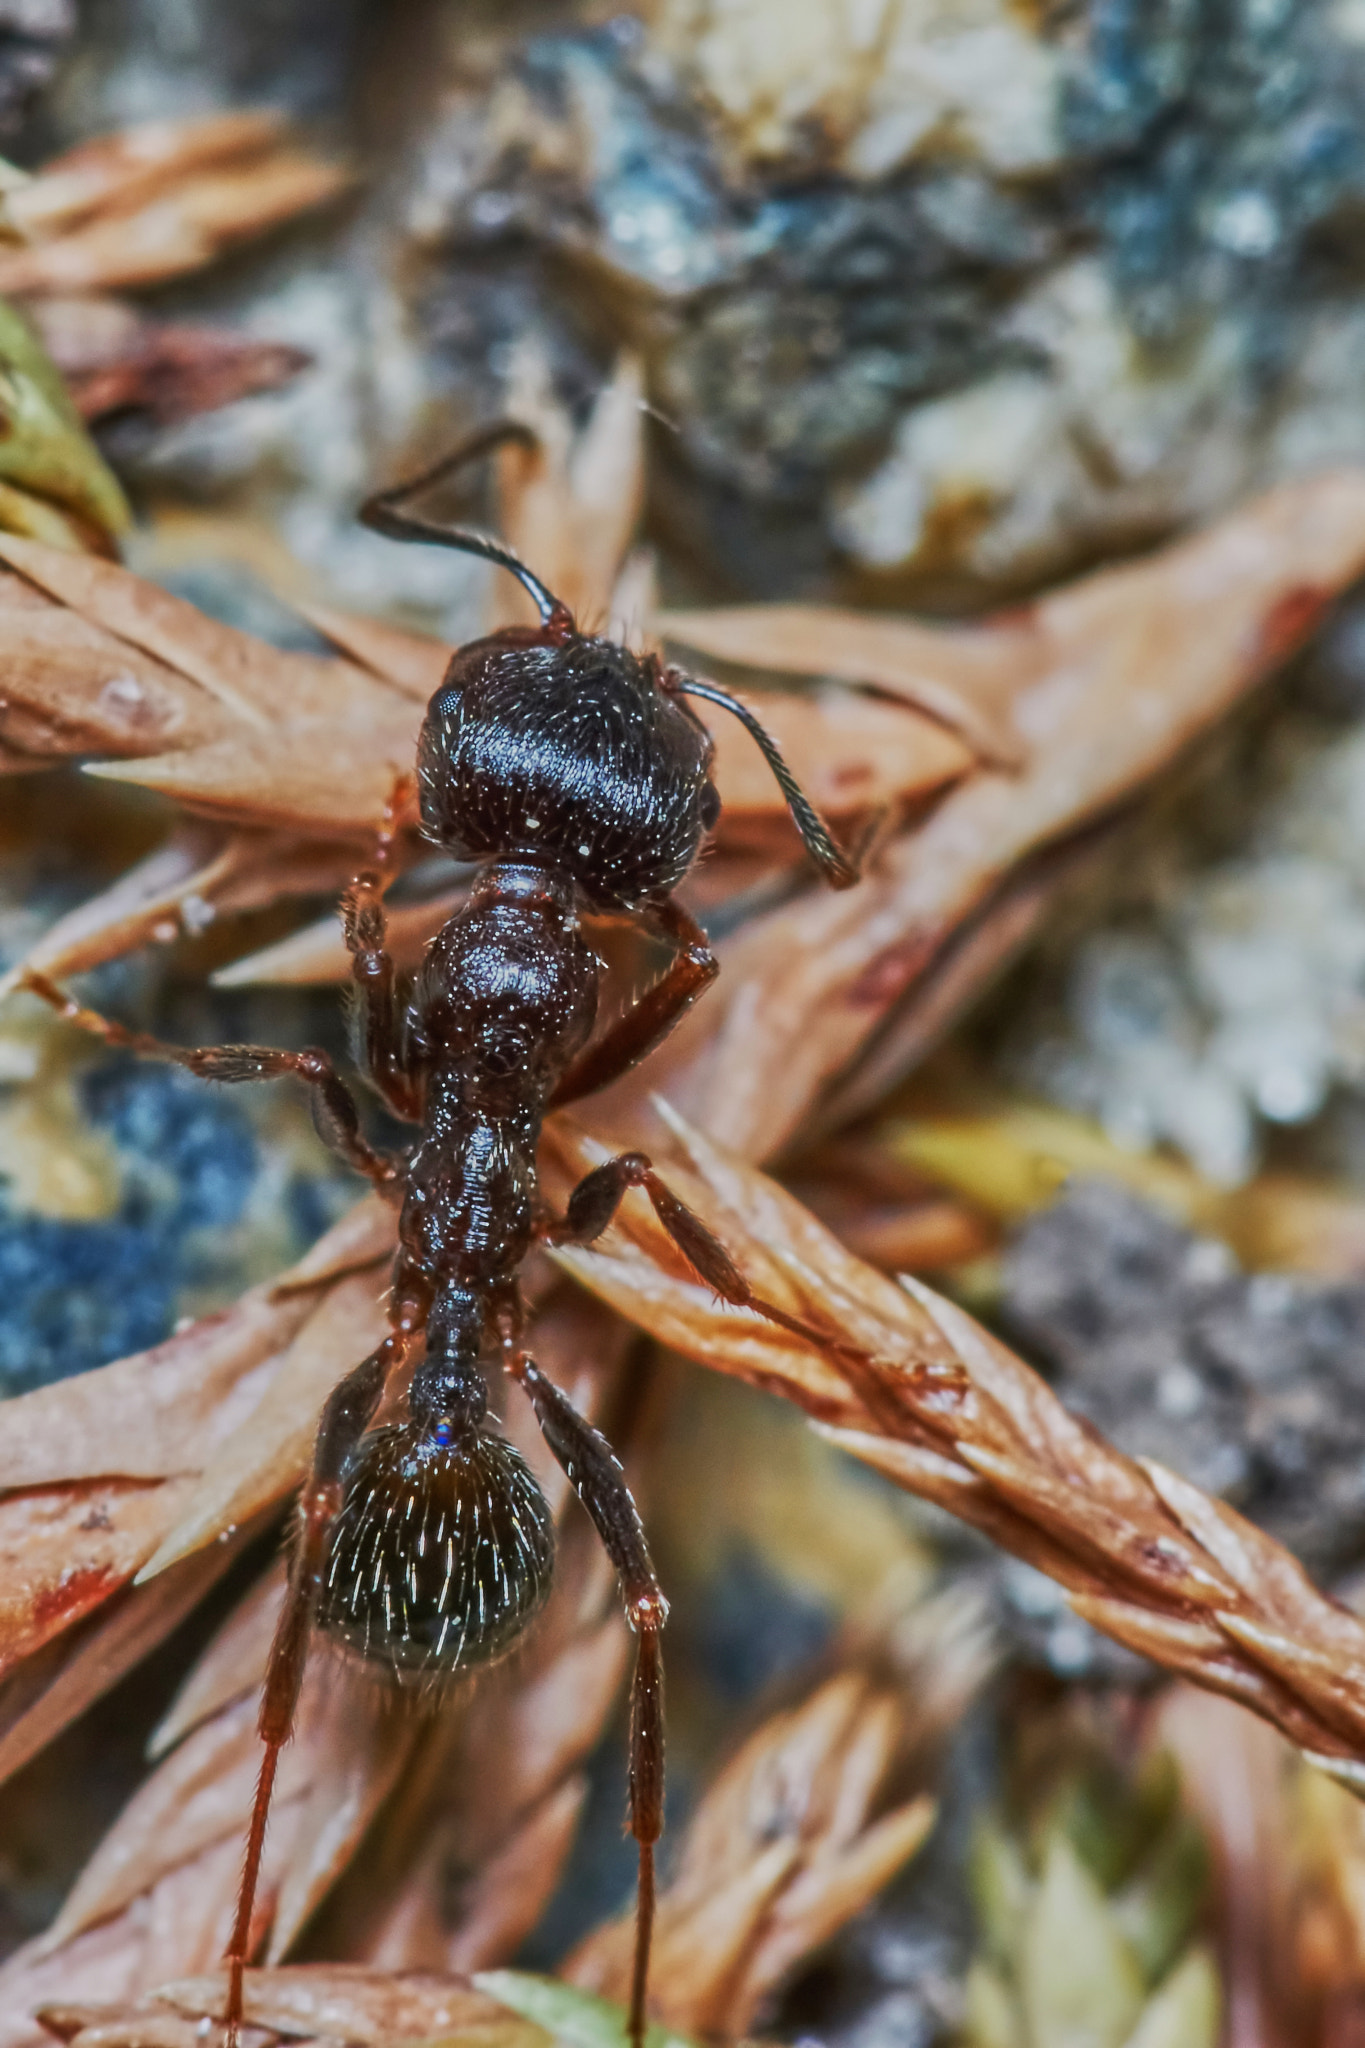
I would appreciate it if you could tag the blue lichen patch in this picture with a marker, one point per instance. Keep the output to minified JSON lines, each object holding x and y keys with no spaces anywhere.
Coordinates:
{"x":210,"y":1192}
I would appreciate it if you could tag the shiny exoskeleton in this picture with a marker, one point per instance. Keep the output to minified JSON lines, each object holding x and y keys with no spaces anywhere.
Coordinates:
{"x":574,"y":774}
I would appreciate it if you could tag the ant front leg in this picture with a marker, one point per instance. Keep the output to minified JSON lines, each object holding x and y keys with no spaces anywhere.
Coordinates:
{"x":596,"y":1476}
{"x":349,"y":1411}
{"x":646,"y":1023}
{"x":372,"y":968}
{"x":334,"y":1107}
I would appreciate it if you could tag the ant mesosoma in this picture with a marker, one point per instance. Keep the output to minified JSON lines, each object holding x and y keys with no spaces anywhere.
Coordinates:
{"x":571,"y":771}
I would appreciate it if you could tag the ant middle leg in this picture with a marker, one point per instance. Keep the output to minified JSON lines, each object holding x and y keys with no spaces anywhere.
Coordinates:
{"x":594,"y":1203}
{"x":692,"y":970}
{"x":596,"y":1476}
{"x":334,"y":1107}
{"x":350,"y":1409}
{"x":372,"y":968}
{"x":598,"y":1196}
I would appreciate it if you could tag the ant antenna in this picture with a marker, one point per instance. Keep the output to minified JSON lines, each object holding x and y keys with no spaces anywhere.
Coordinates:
{"x":838,"y":870}
{"x":381,"y":512}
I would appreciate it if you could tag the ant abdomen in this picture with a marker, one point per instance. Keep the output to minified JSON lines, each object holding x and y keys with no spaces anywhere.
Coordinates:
{"x":442,"y":1552}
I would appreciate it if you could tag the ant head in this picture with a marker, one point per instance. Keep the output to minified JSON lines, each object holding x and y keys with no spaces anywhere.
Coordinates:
{"x":551,"y":745}
{"x":565,"y":748}
{"x":442,"y":1553}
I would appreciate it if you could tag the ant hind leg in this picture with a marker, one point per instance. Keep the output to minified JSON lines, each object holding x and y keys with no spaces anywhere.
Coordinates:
{"x":344,"y":1420}
{"x":600,"y":1484}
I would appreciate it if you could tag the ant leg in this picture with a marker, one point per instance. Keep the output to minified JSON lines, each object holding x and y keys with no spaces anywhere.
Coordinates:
{"x":693,"y":969}
{"x":372,"y":968}
{"x":600,"y":1484}
{"x":344,"y":1421}
{"x":600,"y":1193}
{"x":334,"y":1108}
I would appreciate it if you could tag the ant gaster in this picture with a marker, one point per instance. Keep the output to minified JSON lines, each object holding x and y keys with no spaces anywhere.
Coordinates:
{"x":573,"y":773}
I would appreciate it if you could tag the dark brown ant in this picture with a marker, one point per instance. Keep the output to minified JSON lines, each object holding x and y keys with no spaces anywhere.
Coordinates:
{"x":573,"y":773}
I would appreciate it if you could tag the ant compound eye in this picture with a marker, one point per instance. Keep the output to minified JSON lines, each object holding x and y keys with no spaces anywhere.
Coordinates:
{"x":710,"y":807}
{"x":442,"y":1551}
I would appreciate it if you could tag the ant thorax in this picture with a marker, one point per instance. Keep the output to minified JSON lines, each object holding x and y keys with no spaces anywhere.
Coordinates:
{"x":505,"y":1001}
{"x":444,"y":1546}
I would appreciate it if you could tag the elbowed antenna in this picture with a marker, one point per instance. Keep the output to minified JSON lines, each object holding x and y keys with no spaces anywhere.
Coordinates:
{"x":838,"y":869}
{"x":381,"y":512}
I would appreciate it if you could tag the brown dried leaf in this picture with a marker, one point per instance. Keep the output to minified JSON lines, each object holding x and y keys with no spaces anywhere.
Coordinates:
{"x":1129,"y":665}
{"x":268,"y":736}
{"x":114,"y":360}
{"x":140,"y":2025}
{"x":233,"y":1664}
{"x":571,"y":504}
{"x":151,"y":1415}
{"x":967,"y":677}
{"x":519,"y":1879}
{"x":480,"y":1800}
{"x":51,"y":1688}
{"x":98,"y":1970}
{"x":361,"y":1743}
{"x":371,"y":2008}
{"x":98,"y":1471}
{"x":128,"y":913}
{"x":247,"y":678}
{"x":112,"y":664}
{"x":198,"y":1796}
{"x":950,"y":1413}
{"x":155,"y":202}
{"x":67,"y":687}
{"x":186,"y":1823}
{"x":198,"y":873}
{"x":182,"y":1923}
{"x":134,"y":164}
{"x":167,"y":1870}
{"x":414,"y":662}
{"x":886,"y":1212}
{"x":174,"y":372}
{"x":849,"y":753}
{"x":801,"y":1830}
{"x":64,"y":1550}
{"x":259,"y":1460}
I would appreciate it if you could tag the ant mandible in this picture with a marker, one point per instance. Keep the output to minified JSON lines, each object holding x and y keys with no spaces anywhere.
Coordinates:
{"x":571,"y":771}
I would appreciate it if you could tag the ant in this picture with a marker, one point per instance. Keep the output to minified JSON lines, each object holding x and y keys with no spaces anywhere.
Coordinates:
{"x":573,"y":774}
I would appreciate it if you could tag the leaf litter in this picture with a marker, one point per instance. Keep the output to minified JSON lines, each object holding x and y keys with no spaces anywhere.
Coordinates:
{"x":817,"y":1810}
{"x":154,"y":202}
{"x":944,"y":1409}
